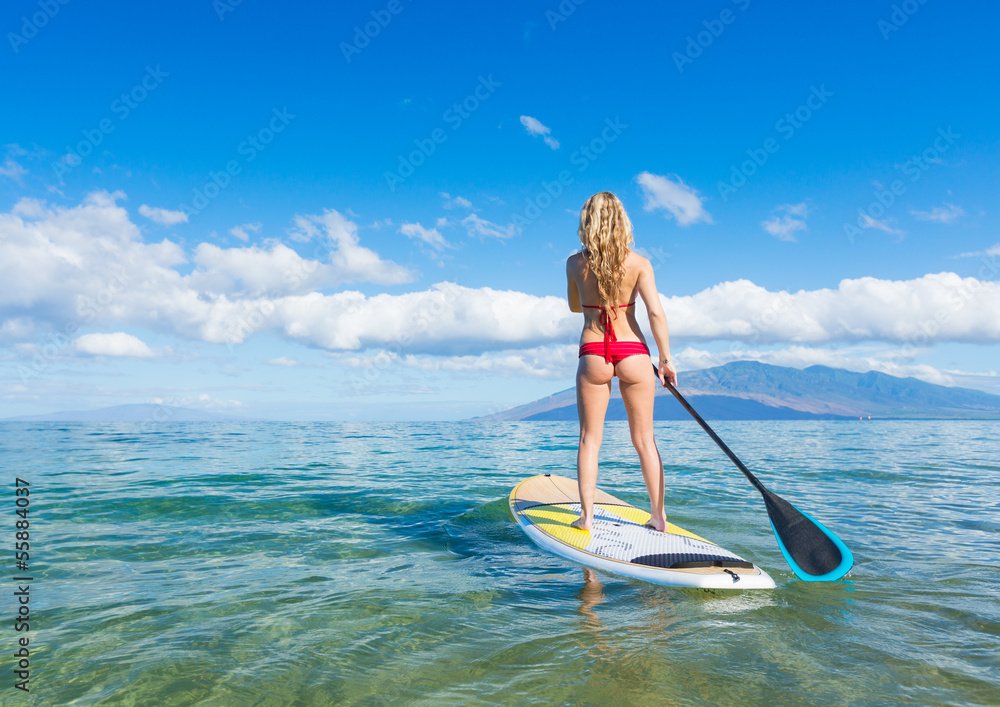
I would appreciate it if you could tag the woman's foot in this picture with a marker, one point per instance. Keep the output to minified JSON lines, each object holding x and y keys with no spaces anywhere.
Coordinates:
{"x":583,"y":523}
{"x":658,"y":523}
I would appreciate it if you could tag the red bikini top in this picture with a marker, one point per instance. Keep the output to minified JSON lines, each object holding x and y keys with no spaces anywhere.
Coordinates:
{"x":609,"y":330}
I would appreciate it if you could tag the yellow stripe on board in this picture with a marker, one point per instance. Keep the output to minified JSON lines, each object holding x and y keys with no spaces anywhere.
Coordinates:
{"x":555,"y":520}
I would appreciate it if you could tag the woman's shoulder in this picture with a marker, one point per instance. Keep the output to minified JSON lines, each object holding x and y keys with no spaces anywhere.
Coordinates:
{"x":576,"y":261}
{"x":634,"y":260}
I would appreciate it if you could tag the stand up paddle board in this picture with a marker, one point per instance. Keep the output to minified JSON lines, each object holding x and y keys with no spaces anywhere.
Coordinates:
{"x":545,"y":505}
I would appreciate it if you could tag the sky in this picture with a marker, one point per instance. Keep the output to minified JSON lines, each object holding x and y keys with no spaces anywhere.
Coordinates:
{"x":363,"y":210}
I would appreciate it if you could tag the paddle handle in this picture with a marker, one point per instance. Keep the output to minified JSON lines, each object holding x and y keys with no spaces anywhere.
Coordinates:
{"x":711,"y":433}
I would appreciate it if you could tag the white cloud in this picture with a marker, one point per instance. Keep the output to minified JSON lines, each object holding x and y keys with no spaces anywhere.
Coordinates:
{"x":788,"y":219}
{"x":455,"y":202}
{"x":117,"y":344}
{"x":879,"y":225}
{"x":255,"y":270}
{"x":476,"y":226}
{"x":163,"y":216}
{"x":551,"y":362}
{"x":17,"y":329}
{"x":539,"y":362}
{"x":12,"y":169}
{"x":941,"y":214}
{"x":278,"y":269}
{"x":350,"y":261}
{"x":430,"y":236}
{"x":535,"y":127}
{"x":63,"y":263}
{"x":992,"y":252}
{"x":241,"y":230}
{"x":935,"y":307}
{"x":284,"y":361}
{"x":674,"y":196}
{"x":29,"y":208}
{"x":203,"y":401}
{"x":444,"y":319}
{"x":89,"y":265}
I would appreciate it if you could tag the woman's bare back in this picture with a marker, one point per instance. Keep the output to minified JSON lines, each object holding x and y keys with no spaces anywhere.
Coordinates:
{"x":625,"y":325}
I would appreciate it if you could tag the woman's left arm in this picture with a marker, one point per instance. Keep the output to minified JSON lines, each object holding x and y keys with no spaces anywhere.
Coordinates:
{"x":646,"y":283}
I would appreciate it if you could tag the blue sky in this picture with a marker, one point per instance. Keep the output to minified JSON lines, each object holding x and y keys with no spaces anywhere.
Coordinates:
{"x":362,"y":210}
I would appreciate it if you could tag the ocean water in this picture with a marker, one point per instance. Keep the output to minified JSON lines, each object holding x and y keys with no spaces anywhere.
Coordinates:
{"x":370,"y":564}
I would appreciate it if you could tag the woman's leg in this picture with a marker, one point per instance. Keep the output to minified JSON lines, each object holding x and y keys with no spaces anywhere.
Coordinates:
{"x":593,"y":389}
{"x":638,"y":387}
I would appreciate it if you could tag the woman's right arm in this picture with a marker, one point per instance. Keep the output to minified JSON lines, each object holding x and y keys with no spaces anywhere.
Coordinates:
{"x":646,"y":284}
{"x":572,"y":291}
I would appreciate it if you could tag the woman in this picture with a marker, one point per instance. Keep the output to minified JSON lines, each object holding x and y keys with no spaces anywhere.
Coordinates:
{"x":607,"y":275}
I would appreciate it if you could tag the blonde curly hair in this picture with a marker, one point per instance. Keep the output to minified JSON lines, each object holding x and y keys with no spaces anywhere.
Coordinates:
{"x":606,"y":234}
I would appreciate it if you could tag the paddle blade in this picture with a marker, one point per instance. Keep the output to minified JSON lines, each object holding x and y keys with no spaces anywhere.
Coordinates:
{"x":813,"y":552}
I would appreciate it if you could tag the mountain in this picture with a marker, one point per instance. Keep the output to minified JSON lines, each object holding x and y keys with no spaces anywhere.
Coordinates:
{"x":748,"y":390}
{"x":128,"y":413}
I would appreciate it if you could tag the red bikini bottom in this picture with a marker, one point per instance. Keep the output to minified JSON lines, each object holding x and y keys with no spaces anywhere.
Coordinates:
{"x":614,"y":351}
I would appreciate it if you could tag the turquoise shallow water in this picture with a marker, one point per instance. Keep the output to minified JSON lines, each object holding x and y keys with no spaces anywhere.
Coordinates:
{"x":366,"y":563}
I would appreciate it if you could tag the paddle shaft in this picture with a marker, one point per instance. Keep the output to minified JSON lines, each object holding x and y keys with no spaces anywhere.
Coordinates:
{"x":711,"y":433}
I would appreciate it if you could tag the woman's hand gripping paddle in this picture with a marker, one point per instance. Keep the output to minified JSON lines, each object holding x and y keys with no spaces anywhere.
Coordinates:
{"x":813,"y":552}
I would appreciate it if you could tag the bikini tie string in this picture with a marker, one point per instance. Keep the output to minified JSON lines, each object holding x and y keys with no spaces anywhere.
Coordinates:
{"x":609,"y":334}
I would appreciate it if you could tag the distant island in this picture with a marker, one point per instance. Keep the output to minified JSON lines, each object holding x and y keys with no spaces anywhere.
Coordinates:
{"x":141,"y":412}
{"x":749,"y":390}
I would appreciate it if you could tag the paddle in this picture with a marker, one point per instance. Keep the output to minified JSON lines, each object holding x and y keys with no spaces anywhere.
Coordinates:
{"x":813,"y":552}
